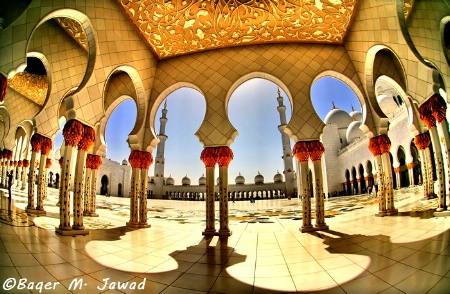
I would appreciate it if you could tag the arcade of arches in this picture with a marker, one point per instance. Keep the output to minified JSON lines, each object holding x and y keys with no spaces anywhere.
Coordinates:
{"x":79,"y":61}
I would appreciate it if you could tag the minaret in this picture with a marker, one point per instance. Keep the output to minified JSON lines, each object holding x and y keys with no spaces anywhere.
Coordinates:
{"x":159,"y":160}
{"x":287,"y":151}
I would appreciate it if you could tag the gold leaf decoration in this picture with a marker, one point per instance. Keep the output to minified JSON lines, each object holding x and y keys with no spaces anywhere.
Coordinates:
{"x":174,"y":27}
{"x":74,"y":29}
{"x":407,"y":7}
{"x":32,"y":86}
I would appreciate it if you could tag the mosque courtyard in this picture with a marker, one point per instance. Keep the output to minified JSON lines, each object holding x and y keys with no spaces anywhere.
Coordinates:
{"x":361,"y":253}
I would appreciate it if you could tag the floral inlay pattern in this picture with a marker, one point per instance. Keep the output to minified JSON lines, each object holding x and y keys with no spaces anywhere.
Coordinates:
{"x":179,"y":27}
{"x":32,"y":86}
{"x":74,"y":29}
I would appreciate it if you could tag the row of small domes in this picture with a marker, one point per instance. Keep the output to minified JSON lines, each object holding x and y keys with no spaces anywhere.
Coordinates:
{"x":240,"y":180}
{"x":344,"y":120}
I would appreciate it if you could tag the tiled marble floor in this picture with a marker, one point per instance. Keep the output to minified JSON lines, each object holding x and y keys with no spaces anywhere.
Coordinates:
{"x":408,"y":253}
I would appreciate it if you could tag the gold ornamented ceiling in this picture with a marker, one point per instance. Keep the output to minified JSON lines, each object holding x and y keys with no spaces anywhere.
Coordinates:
{"x":177,"y":27}
{"x":32,"y":86}
{"x":74,"y":29}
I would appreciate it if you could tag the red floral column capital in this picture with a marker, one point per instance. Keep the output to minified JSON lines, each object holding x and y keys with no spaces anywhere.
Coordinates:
{"x":384,"y":143}
{"x":36,"y":142}
{"x":224,"y":156}
{"x":397,"y":169}
{"x":93,"y":161}
{"x":135,"y":159}
{"x":426,"y":115}
{"x":14,"y":163}
{"x":374,"y":147}
{"x":46,"y":145}
{"x":410,"y":165}
{"x":146,"y":159}
{"x":208,"y":156}
{"x":316,"y":150}
{"x":61,"y":161}
{"x":301,"y":151}
{"x":3,"y":87}
{"x":73,"y":132}
{"x":438,"y":107}
{"x":26,"y":163}
{"x":48,"y":163}
{"x":422,"y":141}
{"x":20,"y":163}
{"x":87,"y":139}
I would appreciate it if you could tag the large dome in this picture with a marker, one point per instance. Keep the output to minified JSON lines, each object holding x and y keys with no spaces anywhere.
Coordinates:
{"x":170,"y":181}
{"x":240,"y":180}
{"x":202,"y":180}
{"x":186,"y":181}
{"x":259,"y":179}
{"x":338,"y":117}
{"x":124,"y":162}
{"x":278,"y":178}
{"x":353,"y":131}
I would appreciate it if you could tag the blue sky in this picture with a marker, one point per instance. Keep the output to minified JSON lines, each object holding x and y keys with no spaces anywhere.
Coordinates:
{"x":253,"y":112}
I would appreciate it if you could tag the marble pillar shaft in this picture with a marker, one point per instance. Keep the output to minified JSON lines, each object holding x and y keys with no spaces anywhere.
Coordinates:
{"x":223,"y":188}
{"x":143,"y":197}
{"x":93,"y":192}
{"x":381,"y":194}
{"x":134,"y":194}
{"x":388,"y":182}
{"x":41,"y":182}
{"x":31,"y":180}
{"x":24,"y":178}
{"x":305,"y":193}
{"x":442,"y":129}
{"x":318,"y":191}
{"x":439,"y":168}
{"x":87,"y":192}
{"x":66,"y":179}
{"x":79,"y":190}
{"x":210,"y":213}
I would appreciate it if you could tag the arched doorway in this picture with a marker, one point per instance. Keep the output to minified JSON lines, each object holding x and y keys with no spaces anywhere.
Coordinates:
{"x":348,"y":183}
{"x":416,"y":170}
{"x":394,"y":178}
{"x":362,"y":180}
{"x":104,"y":188}
{"x":404,"y":177}
{"x":355,"y":181}
{"x":370,"y":180}
{"x":119,"y":190}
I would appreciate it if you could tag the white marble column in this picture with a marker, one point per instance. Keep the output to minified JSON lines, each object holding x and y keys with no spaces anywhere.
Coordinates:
{"x":209,"y":158}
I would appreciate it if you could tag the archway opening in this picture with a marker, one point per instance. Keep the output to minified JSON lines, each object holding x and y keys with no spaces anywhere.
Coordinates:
{"x":259,"y":109}
{"x":362,"y":180}
{"x":348,"y":184}
{"x":416,"y":170}
{"x":177,"y":120}
{"x":120,"y":123}
{"x":354,"y":181}
{"x":404,"y":177}
{"x":389,"y":96}
{"x":104,"y":190}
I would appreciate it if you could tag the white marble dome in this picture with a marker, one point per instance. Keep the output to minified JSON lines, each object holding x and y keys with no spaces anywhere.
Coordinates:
{"x":185,"y":181}
{"x":278,"y":178}
{"x":259,"y":179}
{"x":353,"y":131}
{"x":170,"y":181}
{"x":202,"y":180}
{"x":240,"y":180}
{"x":338,"y":117}
{"x":124,"y":162}
{"x":387,"y":104}
{"x":356,"y":115}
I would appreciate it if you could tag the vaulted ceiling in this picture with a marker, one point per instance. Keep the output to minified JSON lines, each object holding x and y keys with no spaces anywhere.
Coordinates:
{"x":177,"y":27}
